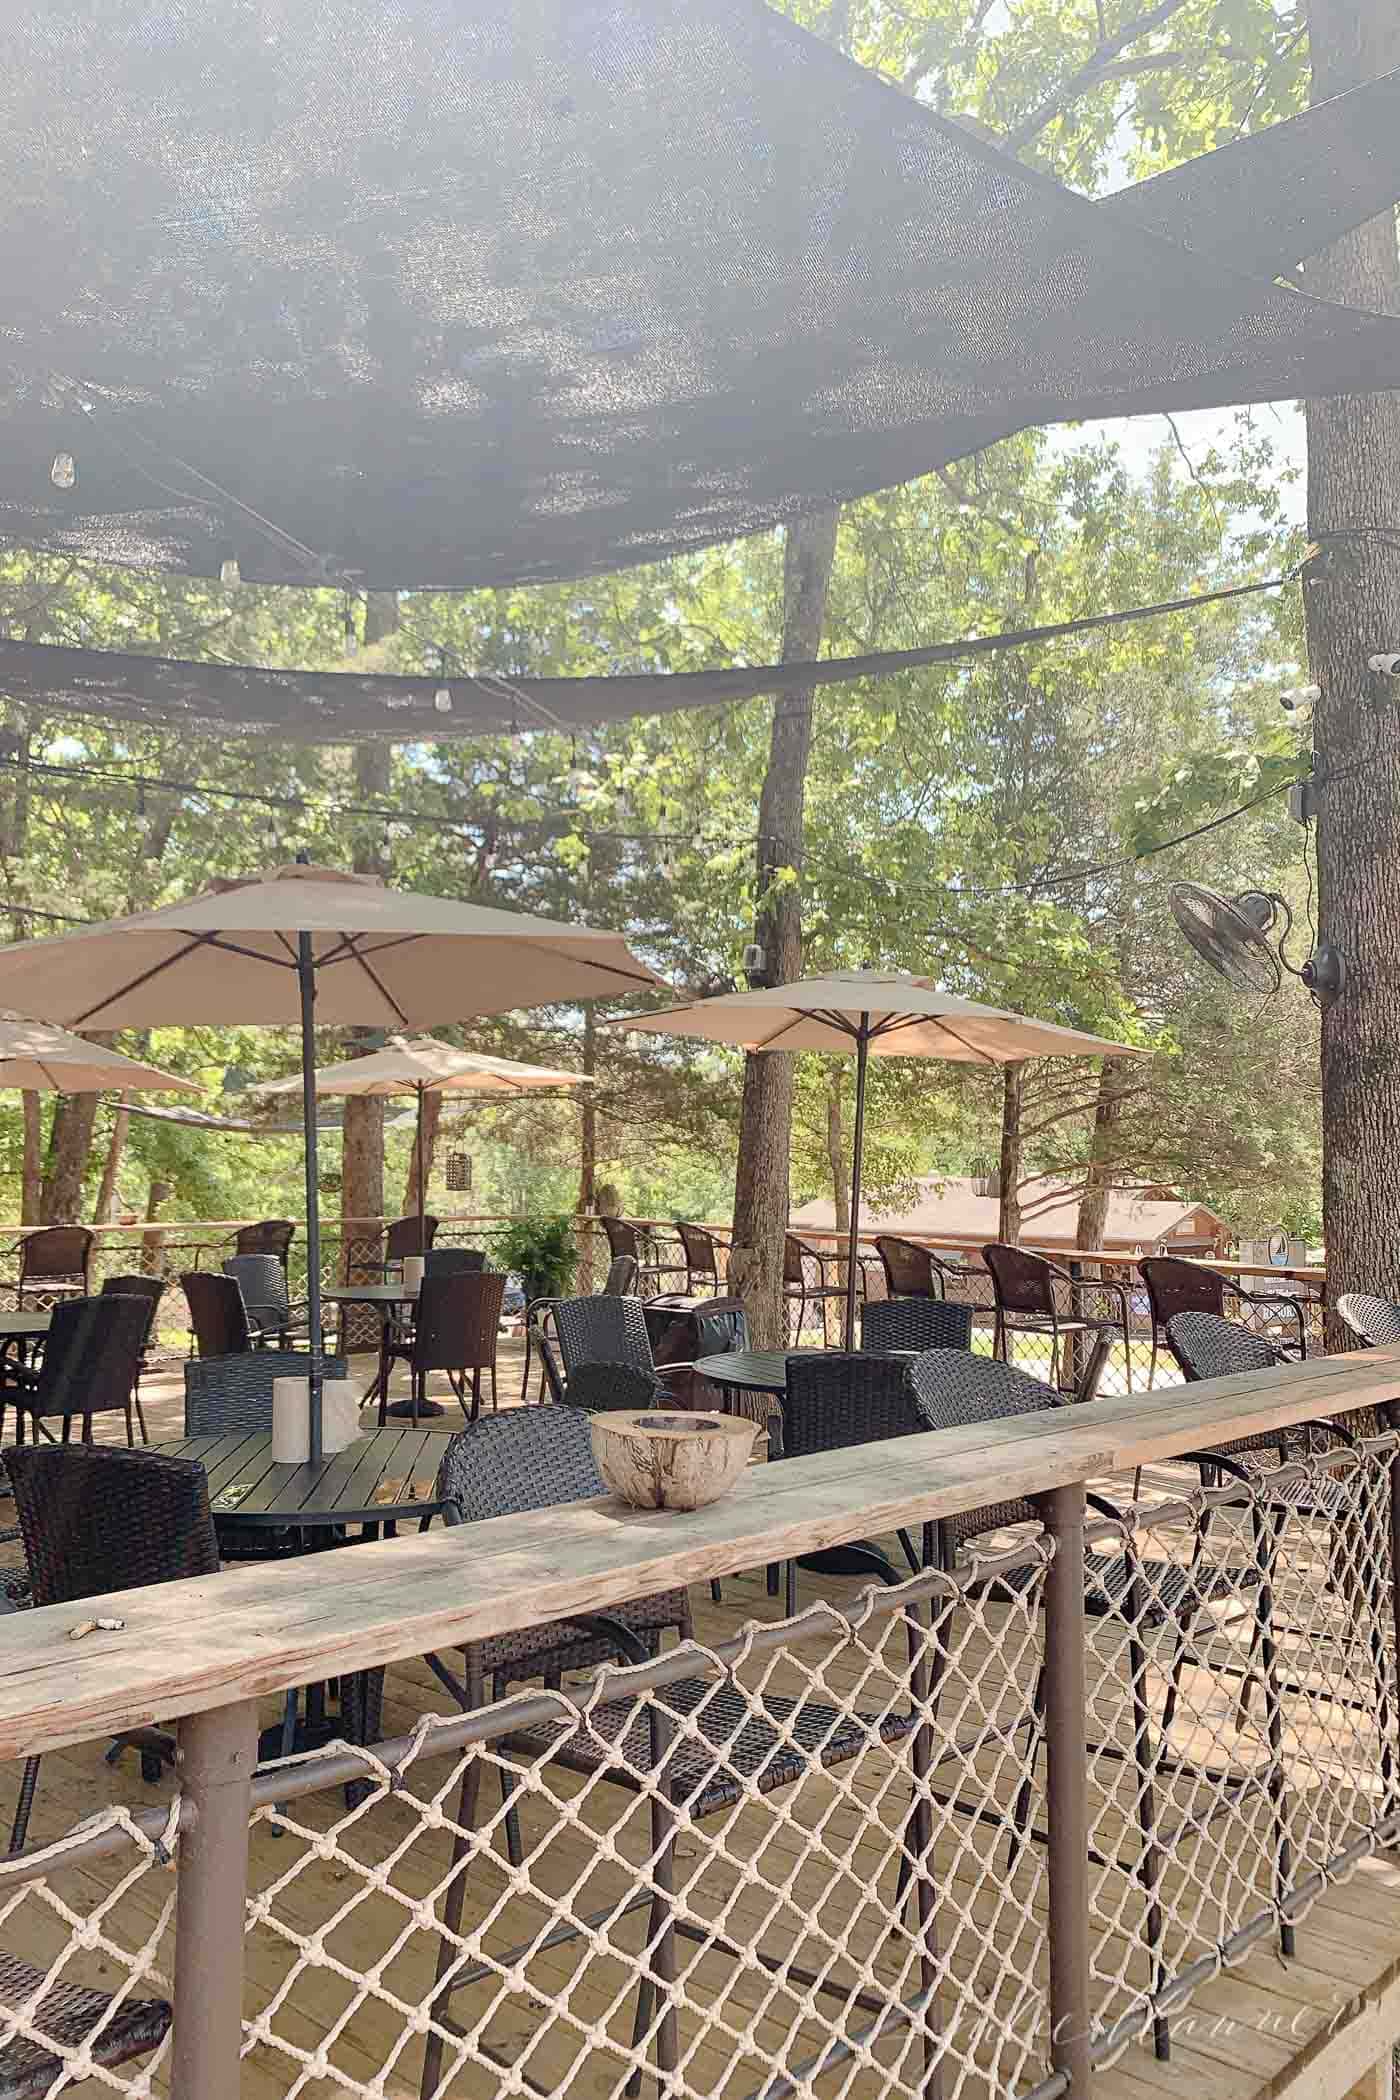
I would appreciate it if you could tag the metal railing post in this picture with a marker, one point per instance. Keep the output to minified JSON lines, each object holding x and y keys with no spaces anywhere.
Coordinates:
{"x":1067,"y":1790}
{"x":215,"y":1760}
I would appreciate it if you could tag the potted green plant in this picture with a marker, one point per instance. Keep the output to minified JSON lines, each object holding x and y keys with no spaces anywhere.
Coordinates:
{"x":543,"y":1252}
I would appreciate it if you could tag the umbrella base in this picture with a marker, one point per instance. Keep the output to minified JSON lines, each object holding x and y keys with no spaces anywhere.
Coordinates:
{"x":402,"y":1410}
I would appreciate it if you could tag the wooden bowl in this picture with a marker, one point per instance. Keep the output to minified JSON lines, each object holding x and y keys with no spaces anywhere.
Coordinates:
{"x":663,"y":1458}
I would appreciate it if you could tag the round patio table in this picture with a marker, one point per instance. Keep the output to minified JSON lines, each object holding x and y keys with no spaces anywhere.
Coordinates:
{"x":386,"y":1297}
{"x":753,"y":1370}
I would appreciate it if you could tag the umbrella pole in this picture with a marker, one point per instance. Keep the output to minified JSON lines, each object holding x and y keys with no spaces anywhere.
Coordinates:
{"x":419,"y":1090}
{"x":857,"y":1161}
{"x":306,"y":979}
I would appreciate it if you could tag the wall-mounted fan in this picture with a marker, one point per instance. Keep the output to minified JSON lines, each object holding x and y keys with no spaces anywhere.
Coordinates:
{"x":1235,"y":935}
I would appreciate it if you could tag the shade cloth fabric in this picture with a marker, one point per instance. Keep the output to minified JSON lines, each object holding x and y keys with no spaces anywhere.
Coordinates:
{"x":908,"y":1017}
{"x":50,"y":1060}
{"x":470,"y":294}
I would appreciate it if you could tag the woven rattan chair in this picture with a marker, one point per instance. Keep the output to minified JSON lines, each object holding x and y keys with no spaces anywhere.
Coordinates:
{"x":1374,"y":1321}
{"x":267,"y":1236}
{"x":602,"y":1330}
{"x":701,"y":1250}
{"x":454,"y":1261}
{"x":835,"y":1401}
{"x":541,"y":1337}
{"x":915,"y":1323}
{"x":654,"y":1270}
{"x":95,"y":1519}
{"x":404,"y":1237}
{"x":595,"y":1388}
{"x":1176,"y":1286}
{"x":91,"y":1361}
{"x":528,"y":1459}
{"x":224,"y":1394}
{"x":76,"y":2018}
{"x":54,"y":1261}
{"x":808,"y":1279}
{"x":456,"y":1330}
{"x":263,"y":1281}
{"x":1030,"y":1294}
{"x":152,"y":1290}
{"x":915,"y":1271}
{"x":1206,"y":1346}
{"x":218,"y":1316}
{"x":953,"y":1389}
{"x":622,"y":1277}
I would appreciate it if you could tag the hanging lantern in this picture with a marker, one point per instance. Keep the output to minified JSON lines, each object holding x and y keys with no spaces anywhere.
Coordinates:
{"x":459,"y":1172}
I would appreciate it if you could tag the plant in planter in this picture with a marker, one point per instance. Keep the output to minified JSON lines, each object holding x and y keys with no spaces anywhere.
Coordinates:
{"x":543,"y":1252}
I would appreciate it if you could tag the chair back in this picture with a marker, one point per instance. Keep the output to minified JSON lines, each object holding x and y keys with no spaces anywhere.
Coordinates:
{"x":263,"y":1281}
{"x":151,"y":1288}
{"x":454,"y":1261}
{"x":217,"y":1313}
{"x":96,"y":1518}
{"x":622,"y":1278}
{"x":1021,"y":1282}
{"x":1372,"y":1320}
{"x":404,"y":1237}
{"x":701,"y":1250}
{"x":228,"y":1393}
{"x":528,"y":1458}
{"x":915,"y":1323}
{"x":268,"y":1236}
{"x":1176,"y":1286}
{"x":91,"y":1356}
{"x":596,"y":1388}
{"x":622,"y":1237}
{"x":796,"y":1253}
{"x":953,"y":1389}
{"x":56,"y":1254}
{"x":456,"y":1321}
{"x":602,"y":1330}
{"x":835,"y":1400}
{"x":909,"y":1268}
{"x":1205,"y":1346}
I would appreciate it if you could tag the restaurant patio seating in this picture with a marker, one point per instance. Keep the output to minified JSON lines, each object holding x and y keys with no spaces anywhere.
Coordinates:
{"x":76,"y":2018}
{"x":807,"y":1280}
{"x":152,"y":1290}
{"x":642,"y":1242}
{"x":834,"y":1401}
{"x":218,"y":1316}
{"x":454,"y":1261}
{"x":541,"y":1338}
{"x":267,"y":1236}
{"x":228,"y":1393}
{"x":1035,"y":1296}
{"x":915,"y":1271}
{"x":54,"y":1261}
{"x":408,"y":1236}
{"x":456,"y":1329}
{"x":1206,"y":1346}
{"x":1374,"y":1321}
{"x":97,"y":1519}
{"x":266,"y":1300}
{"x":914,"y":1323}
{"x":716,"y":1754}
{"x":91,"y":1361}
{"x":701,"y":1249}
{"x":1177,"y":1286}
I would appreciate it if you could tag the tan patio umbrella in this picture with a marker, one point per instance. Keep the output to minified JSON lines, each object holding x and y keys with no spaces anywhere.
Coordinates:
{"x":878,"y":1014}
{"x":302,"y":943}
{"x":421,"y":1065}
{"x":50,"y":1060}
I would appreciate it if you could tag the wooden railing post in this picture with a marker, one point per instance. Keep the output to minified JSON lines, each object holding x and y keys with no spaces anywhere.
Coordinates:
{"x":1067,"y":1790}
{"x":217,"y":1754}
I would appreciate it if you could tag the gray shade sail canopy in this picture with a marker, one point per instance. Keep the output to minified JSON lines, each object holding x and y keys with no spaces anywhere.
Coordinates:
{"x":530,"y":292}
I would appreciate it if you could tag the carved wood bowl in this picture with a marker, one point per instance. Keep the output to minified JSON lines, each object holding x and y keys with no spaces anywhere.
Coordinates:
{"x":658,"y":1458}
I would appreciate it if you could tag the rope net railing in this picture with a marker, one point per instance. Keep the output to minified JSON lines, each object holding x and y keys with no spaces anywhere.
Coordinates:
{"x":810,"y":1856}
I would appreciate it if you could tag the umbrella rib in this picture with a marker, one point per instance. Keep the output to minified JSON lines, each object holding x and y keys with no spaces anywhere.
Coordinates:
{"x":985,"y":1055}
{"x":345,"y":949}
{"x":196,"y":940}
{"x":375,"y":980}
{"x":611,"y":970}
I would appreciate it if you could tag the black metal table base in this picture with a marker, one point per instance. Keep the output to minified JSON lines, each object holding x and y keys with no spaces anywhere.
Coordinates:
{"x":402,"y":1410}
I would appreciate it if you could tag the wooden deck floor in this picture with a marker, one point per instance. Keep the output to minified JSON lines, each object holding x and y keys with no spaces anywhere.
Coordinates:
{"x":1264,"y":2030}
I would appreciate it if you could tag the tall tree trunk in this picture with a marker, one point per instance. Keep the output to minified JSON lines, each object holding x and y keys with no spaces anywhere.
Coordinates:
{"x":1353,"y":611}
{"x":765,"y":1122}
{"x":588,"y":1150}
{"x":70,"y":1143}
{"x":153,"y":1243}
{"x":32,"y":1172}
{"x":839,"y":1161}
{"x":432,"y":1110}
{"x":106,"y":1204}
{"x":362,"y":1129}
{"x":1108,"y":1113}
{"x":1013,"y":1088}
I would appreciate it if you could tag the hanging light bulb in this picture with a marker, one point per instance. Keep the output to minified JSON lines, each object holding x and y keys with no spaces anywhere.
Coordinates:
{"x":442,"y":700}
{"x":229,"y":571}
{"x":64,"y":471}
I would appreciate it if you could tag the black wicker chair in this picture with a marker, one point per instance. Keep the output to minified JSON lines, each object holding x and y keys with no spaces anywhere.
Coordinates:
{"x":915,"y":1323}
{"x":1206,"y":1346}
{"x":594,"y":1388}
{"x":602,"y":1329}
{"x":266,"y":1236}
{"x":91,"y":1361}
{"x":808,"y":1273}
{"x":226,"y":1394}
{"x":833,"y":1402}
{"x":701,"y":1250}
{"x":152,"y":1290}
{"x":218,"y":1316}
{"x":1034,"y":1295}
{"x":657,"y":1268}
{"x":1374,"y":1321}
{"x":405,"y":1237}
{"x":915,"y":1271}
{"x":454,"y":1261}
{"x":263,"y":1281}
{"x":528,"y":1460}
{"x":541,"y":1337}
{"x":76,"y":2018}
{"x":95,"y":1519}
{"x":1176,"y":1286}
{"x":55,"y":1261}
{"x":953,"y":1389}
{"x":456,"y":1330}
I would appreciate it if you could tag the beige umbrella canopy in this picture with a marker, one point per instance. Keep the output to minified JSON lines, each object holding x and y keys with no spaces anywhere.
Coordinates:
{"x":876,"y":1014}
{"x":424,"y":1066}
{"x":50,"y":1060}
{"x":307,"y":944}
